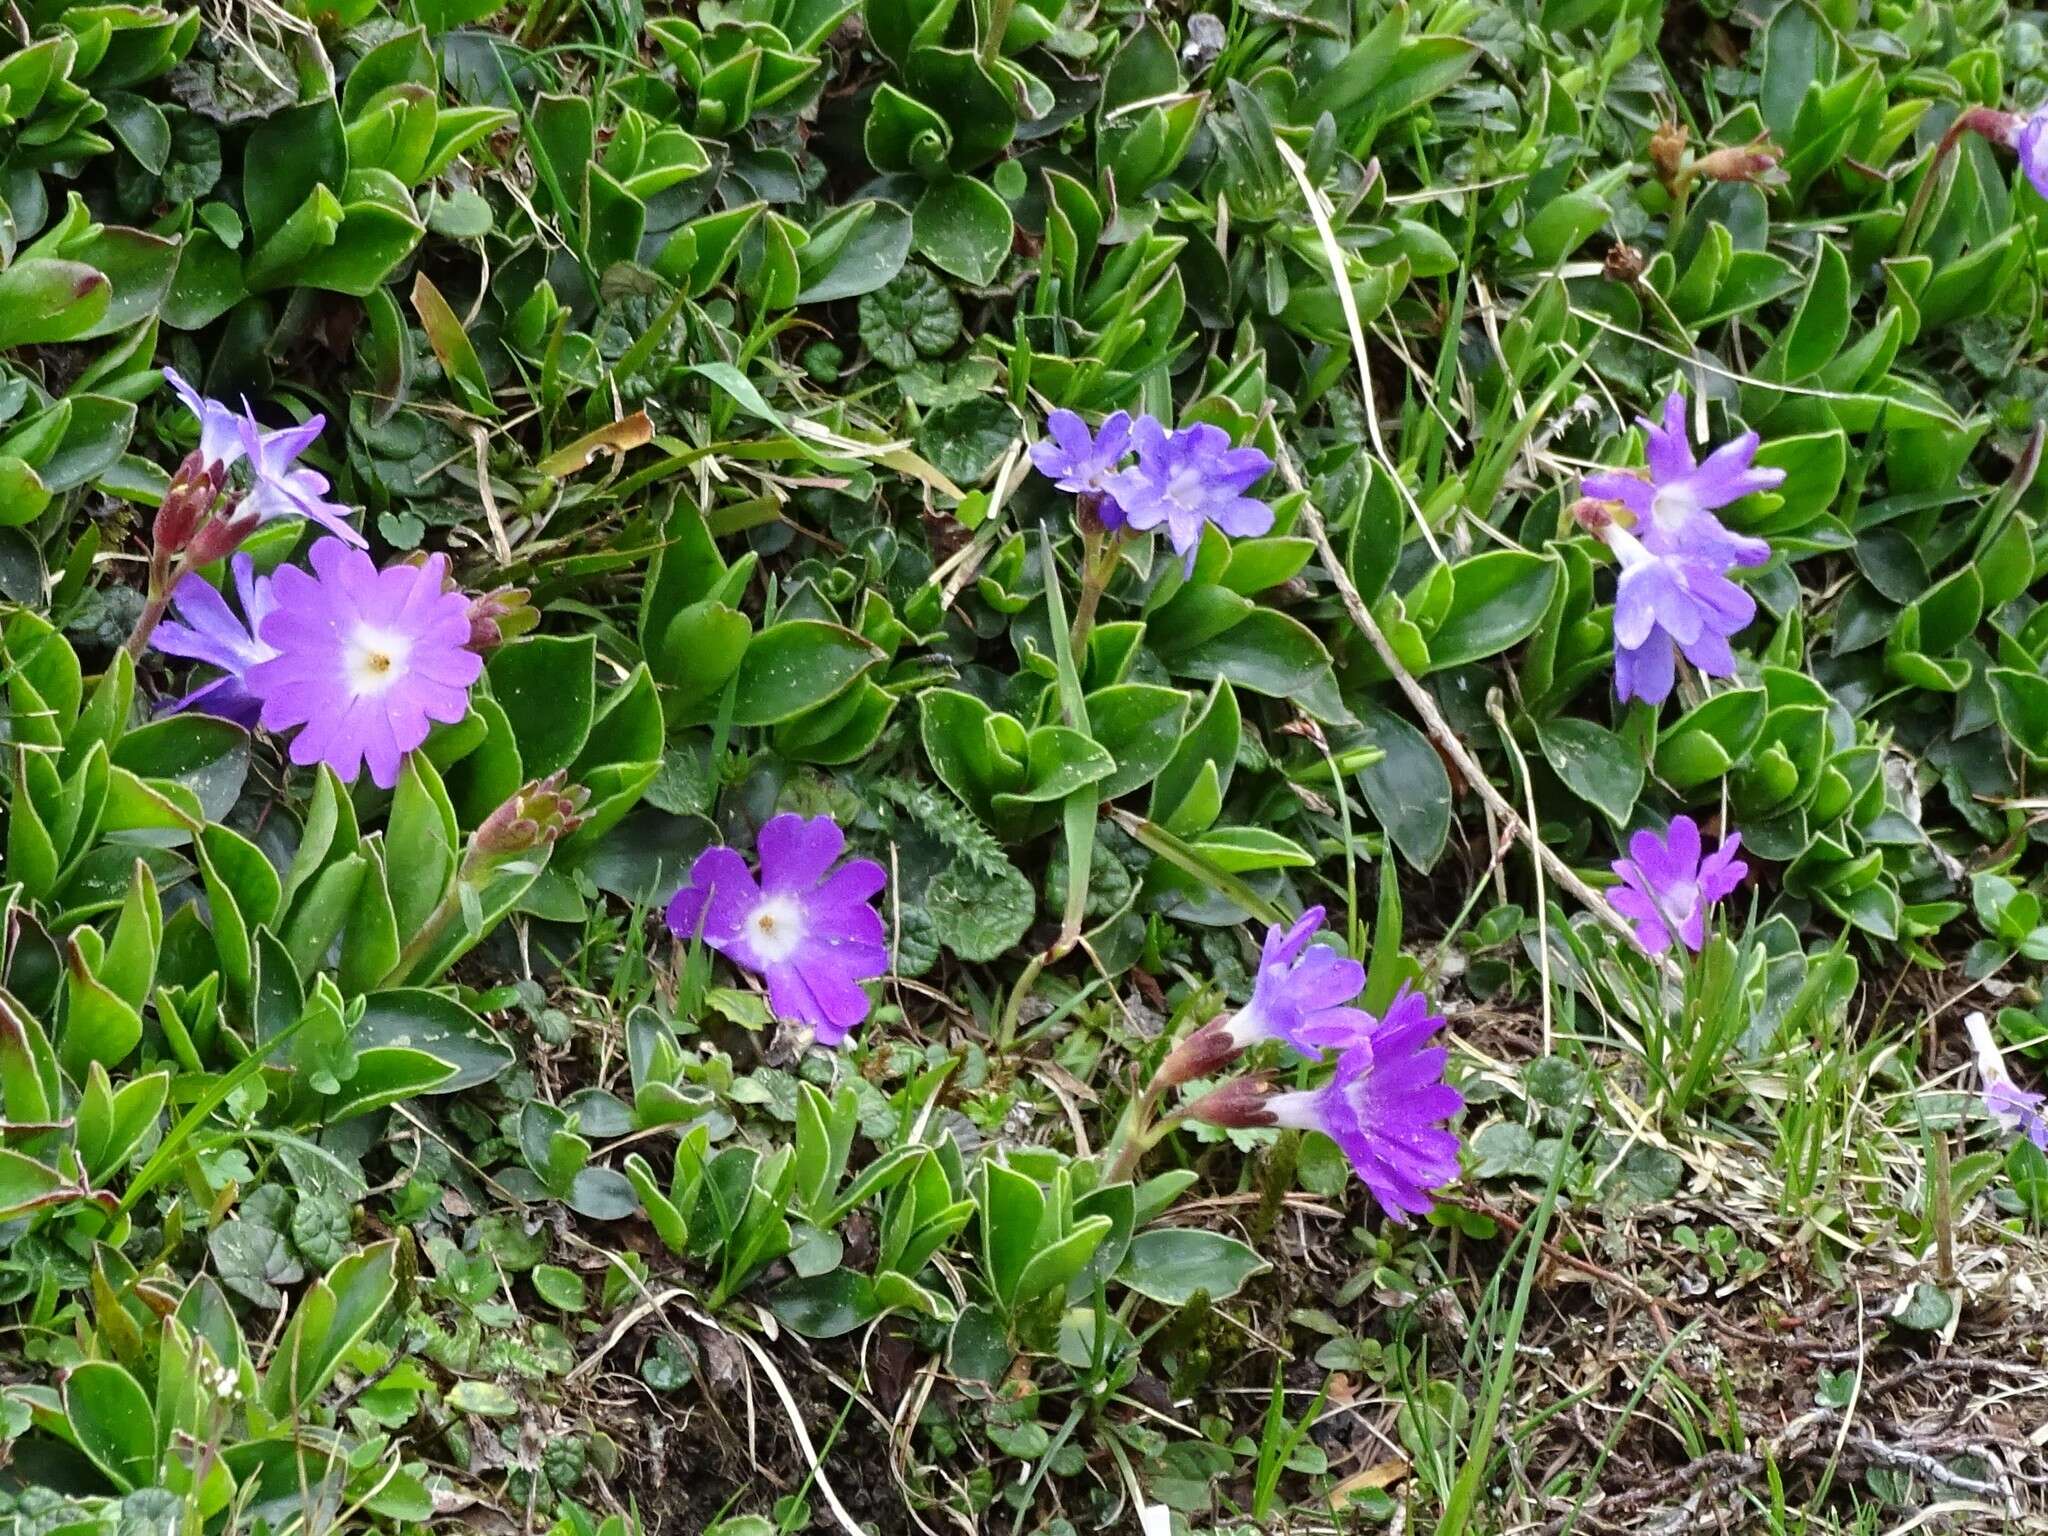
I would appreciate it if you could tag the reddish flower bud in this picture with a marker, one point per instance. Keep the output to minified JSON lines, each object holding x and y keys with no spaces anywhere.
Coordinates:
{"x":187,"y":502}
{"x":1239,"y":1104}
{"x":1596,"y":517}
{"x":1207,"y":1050}
{"x":222,"y":534}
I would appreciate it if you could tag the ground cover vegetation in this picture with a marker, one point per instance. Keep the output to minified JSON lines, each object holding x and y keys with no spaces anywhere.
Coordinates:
{"x":996,"y":765}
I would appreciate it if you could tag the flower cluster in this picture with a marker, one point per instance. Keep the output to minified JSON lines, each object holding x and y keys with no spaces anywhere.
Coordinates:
{"x":1674,"y":593}
{"x":1666,"y":886}
{"x":1385,"y":1105}
{"x":1184,"y":479}
{"x":808,"y":929}
{"x":365,"y":660}
{"x":277,"y":485}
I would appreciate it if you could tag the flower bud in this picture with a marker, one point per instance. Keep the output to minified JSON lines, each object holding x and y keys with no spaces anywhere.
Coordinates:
{"x":495,"y":617}
{"x":1667,"y":155}
{"x":193,"y":490}
{"x":222,"y":534}
{"x":1200,"y":1054}
{"x":1756,"y":161}
{"x":1593,"y":515}
{"x":1239,"y":1104}
{"x":540,"y":814}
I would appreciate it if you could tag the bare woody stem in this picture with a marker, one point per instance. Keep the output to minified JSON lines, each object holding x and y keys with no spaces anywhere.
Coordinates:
{"x":1446,"y":740}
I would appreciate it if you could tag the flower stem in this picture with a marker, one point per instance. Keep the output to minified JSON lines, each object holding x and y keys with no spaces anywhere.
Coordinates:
{"x":164,"y":577}
{"x":1099,"y":553}
{"x":1992,"y":124}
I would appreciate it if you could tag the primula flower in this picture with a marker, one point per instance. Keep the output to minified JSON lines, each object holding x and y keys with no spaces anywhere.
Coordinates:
{"x":367,"y":660}
{"x":1386,"y":1107}
{"x":207,"y":629}
{"x":1082,"y":462}
{"x":1675,"y":506}
{"x":1667,"y":601}
{"x":1666,"y":888}
{"x":1187,"y":479}
{"x":1301,"y":992}
{"x":2012,"y":1107}
{"x":809,"y":930}
{"x":278,"y":485}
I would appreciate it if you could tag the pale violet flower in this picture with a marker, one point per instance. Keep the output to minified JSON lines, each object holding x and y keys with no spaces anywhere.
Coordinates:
{"x":1666,"y":887}
{"x":277,"y":484}
{"x":1674,"y":508}
{"x":2010,"y":1106}
{"x":1300,"y":993}
{"x":1187,"y":479}
{"x":1668,"y":603}
{"x":1386,"y":1106}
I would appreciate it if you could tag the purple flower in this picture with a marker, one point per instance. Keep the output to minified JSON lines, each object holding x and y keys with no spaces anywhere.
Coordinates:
{"x":1666,"y":601}
{"x":1080,"y":462}
{"x":2031,"y":142}
{"x":1301,"y":992}
{"x":809,"y":930}
{"x":206,"y":629}
{"x":278,"y":485}
{"x":1386,"y":1107}
{"x":1666,"y":888}
{"x":2012,"y":1107}
{"x":1675,"y":507}
{"x":367,"y":660}
{"x":1188,"y":479}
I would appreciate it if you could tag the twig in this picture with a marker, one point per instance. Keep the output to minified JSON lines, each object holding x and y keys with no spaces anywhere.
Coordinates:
{"x":1446,"y":740}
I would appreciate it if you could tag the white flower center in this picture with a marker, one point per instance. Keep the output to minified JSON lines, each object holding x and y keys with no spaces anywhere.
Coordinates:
{"x":374,"y":659}
{"x":775,"y":928}
{"x":1672,"y":506}
{"x":1680,"y":900}
{"x":1184,"y":490}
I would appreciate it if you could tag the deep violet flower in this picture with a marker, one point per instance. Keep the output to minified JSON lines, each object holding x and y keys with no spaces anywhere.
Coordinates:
{"x":1301,"y":992}
{"x":278,"y":485}
{"x":1185,"y":480}
{"x":1666,"y":888}
{"x":1386,"y":1108}
{"x":2012,"y":1107}
{"x":207,"y":629}
{"x":1081,"y":462}
{"x":1667,"y":602}
{"x":1675,"y":506}
{"x":809,"y":930}
{"x":367,"y":660}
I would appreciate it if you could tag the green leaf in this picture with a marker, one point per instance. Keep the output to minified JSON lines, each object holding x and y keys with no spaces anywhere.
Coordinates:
{"x":1171,"y":1264}
{"x":961,"y":226}
{"x":438,"y":1026}
{"x":1408,"y":789}
{"x":547,"y":686}
{"x":111,"y":1418}
{"x":44,"y":301}
{"x":914,"y":315}
{"x":1595,"y":764}
{"x":1497,"y":599}
{"x":797,"y":665}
